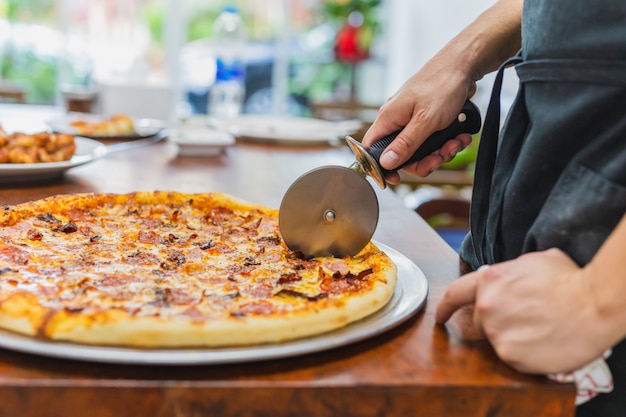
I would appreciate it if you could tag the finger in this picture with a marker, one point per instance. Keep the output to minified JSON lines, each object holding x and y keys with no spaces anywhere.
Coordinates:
{"x":405,"y":144}
{"x":472,"y":89}
{"x":460,"y":293}
{"x":381,"y":127}
{"x":446,"y":153}
{"x":466,"y":139}
{"x":479,"y":331}
{"x":449,"y":149}
{"x":393,"y":178}
{"x":452,"y":147}
{"x":426,"y":166}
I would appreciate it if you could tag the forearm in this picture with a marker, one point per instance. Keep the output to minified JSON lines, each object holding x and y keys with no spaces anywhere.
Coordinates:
{"x":606,"y":277}
{"x":488,"y":41}
{"x":431,"y":99}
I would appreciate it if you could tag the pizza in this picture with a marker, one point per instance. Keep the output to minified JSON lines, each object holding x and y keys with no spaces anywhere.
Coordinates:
{"x":27,"y":148}
{"x":116,"y":125}
{"x":168,"y":269}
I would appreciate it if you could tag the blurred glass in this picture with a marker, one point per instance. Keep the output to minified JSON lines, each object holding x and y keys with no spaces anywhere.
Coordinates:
{"x":297,"y":34}
{"x":49,"y":46}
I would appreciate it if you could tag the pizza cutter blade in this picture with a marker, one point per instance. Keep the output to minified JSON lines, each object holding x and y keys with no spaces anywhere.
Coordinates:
{"x":329,"y":211}
{"x":333,"y":210}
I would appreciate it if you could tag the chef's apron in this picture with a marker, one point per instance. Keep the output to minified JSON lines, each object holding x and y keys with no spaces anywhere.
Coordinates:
{"x":555,"y":175}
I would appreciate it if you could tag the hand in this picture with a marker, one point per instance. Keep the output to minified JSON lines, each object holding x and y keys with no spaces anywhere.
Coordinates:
{"x":537,"y":311}
{"x":429,"y":101}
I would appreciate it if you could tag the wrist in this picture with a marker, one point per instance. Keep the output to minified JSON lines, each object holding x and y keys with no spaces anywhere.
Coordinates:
{"x":606,"y":289}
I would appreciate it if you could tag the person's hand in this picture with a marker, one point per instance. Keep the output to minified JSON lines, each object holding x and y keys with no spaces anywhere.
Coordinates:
{"x":429,"y":101}
{"x":537,"y":311}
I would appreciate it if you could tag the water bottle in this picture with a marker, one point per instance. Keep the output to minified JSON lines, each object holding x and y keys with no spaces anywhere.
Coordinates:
{"x":227,"y":93}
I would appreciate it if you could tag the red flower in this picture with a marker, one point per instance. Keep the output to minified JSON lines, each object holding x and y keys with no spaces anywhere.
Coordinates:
{"x":348,"y":47}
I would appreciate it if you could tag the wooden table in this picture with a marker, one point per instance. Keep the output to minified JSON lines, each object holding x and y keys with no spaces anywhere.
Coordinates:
{"x":417,"y":369}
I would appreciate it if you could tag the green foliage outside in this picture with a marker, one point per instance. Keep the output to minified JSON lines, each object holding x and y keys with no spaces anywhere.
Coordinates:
{"x":35,"y":74}
{"x":314,"y":74}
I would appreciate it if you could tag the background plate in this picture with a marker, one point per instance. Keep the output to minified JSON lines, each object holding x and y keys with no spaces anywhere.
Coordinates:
{"x":409,"y":297}
{"x":144,"y":128}
{"x":87,"y":150}
{"x":283,"y":130}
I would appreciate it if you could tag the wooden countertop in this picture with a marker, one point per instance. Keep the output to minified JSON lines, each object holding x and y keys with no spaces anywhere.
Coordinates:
{"x":418,"y":368}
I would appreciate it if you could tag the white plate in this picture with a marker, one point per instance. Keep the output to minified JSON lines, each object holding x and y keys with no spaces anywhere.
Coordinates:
{"x":286,"y":130}
{"x":407,"y":300}
{"x":143,"y":127}
{"x":87,"y":150}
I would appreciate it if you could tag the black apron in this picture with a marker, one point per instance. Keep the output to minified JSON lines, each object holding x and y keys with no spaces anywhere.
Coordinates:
{"x":555,"y":175}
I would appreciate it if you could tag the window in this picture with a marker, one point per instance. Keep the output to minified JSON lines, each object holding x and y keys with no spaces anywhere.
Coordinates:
{"x":49,"y":45}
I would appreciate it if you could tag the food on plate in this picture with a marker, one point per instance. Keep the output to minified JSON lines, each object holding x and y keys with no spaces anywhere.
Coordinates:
{"x":24,"y":148}
{"x":116,"y":125}
{"x":169,"y":269}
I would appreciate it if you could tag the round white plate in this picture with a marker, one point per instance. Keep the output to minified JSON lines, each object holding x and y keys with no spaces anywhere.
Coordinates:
{"x":143,"y":127}
{"x":286,"y":130}
{"x":408,"y":299}
{"x":87,"y":150}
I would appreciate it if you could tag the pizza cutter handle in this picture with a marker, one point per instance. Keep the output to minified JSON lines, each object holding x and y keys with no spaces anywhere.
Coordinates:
{"x":468,"y":121}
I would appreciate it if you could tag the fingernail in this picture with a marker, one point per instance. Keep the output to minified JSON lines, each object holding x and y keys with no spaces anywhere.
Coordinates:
{"x":389,"y":159}
{"x":483,"y":267}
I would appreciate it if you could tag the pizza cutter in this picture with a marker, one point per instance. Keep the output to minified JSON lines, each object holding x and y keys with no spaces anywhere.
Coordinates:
{"x":333,"y":210}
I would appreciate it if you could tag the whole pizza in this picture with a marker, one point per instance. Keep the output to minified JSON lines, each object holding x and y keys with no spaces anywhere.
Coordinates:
{"x":168,"y":269}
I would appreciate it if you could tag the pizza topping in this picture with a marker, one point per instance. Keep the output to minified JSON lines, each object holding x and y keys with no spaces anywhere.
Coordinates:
{"x":68,"y":228}
{"x":337,"y":267}
{"x":177,"y":258}
{"x":115,"y":280}
{"x":256,"y":307}
{"x":34,"y":234}
{"x":149,"y":236}
{"x":274,"y":240}
{"x":361,"y":275}
{"x":14,"y":254}
{"x":340,"y":286}
{"x":49,"y":218}
{"x":339,"y":283}
{"x":288,"y":278}
{"x":294,"y":293}
{"x":205,"y":245}
{"x":250,"y":261}
{"x":261,"y":290}
{"x":164,"y":297}
{"x":141,"y":258}
{"x":220,"y":215}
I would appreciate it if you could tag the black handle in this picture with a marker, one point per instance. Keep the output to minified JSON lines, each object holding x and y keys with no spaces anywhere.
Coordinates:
{"x":468,"y":122}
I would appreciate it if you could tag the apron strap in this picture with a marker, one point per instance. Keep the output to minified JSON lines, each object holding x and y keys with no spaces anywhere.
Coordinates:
{"x":486,"y":159}
{"x":572,"y":71}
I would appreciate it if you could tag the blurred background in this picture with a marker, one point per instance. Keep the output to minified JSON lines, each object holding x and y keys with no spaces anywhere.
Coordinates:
{"x":302,"y":57}
{"x":323,"y":59}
